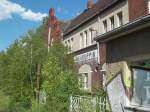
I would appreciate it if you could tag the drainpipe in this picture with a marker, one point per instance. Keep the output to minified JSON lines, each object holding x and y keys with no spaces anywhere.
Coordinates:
{"x":98,"y":42}
{"x":98,"y":52}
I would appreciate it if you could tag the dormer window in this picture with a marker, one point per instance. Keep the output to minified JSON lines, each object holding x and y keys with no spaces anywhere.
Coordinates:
{"x":112,"y":22}
{"x":105,"y":26}
{"x":120,"y":19}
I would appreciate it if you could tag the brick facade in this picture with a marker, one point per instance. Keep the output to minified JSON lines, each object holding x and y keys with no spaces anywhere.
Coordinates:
{"x":137,"y":8}
{"x":102,"y":51}
{"x":96,"y":79}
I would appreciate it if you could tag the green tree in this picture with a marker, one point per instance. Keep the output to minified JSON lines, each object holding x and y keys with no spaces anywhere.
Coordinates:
{"x":59,"y":78}
{"x":18,"y":69}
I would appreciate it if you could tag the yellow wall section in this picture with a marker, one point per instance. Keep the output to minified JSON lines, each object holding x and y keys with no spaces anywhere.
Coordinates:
{"x":126,"y":75}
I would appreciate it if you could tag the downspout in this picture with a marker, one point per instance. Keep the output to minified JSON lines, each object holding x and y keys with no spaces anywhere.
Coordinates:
{"x":97,"y":41}
{"x":98,"y":52}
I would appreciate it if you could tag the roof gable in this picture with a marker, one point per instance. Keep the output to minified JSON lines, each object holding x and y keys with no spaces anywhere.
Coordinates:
{"x":99,"y":7}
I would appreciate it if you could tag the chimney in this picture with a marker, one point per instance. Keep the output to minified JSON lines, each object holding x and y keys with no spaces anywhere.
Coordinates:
{"x":51,"y":12}
{"x":90,"y":4}
{"x":54,"y":30}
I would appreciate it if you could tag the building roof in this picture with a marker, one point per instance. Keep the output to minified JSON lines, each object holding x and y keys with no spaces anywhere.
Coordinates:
{"x":138,"y":24}
{"x":99,"y":7}
{"x":64,"y":24}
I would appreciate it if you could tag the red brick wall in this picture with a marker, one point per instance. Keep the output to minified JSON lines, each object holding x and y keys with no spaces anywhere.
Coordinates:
{"x":137,"y":8}
{"x":55,"y":27}
{"x":96,"y":77}
{"x":102,"y":51}
{"x":97,"y":80}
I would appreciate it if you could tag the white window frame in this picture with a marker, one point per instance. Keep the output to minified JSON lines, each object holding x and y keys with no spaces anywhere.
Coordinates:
{"x":69,"y":43}
{"x":105,"y":26}
{"x":130,"y":104}
{"x":72,"y":39}
{"x":84,"y":82}
{"x":86,"y":37}
{"x":65,"y":43}
{"x":112,"y":22}
{"x":90,"y":36}
{"x":149,"y":5}
{"x":81,"y":40}
{"x":120,"y":19}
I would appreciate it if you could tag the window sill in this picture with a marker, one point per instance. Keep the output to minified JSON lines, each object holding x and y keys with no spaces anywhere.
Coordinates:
{"x":136,"y":107}
{"x":85,"y":89}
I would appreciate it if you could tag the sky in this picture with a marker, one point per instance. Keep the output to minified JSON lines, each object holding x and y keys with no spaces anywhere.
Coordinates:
{"x":19,"y":16}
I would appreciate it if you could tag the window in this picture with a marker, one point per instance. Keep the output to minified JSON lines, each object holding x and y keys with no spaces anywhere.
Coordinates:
{"x":65,"y":43}
{"x":90,"y":36}
{"x":68,"y":43}
{"x":86,"y":38}
{"x":112,"y":22}
{"x":82,"y":40}
{"x":71,"y":43}
{"x":141,"y":89}
{"x":83,"y":80}
{"x":120,"y":19}
{"x":105,"y":26}
{"x":72,"y":39}
{"x":149,"y":5}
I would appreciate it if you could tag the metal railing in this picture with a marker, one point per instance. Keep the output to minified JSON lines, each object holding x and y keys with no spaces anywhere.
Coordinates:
{"x":87,"y":104}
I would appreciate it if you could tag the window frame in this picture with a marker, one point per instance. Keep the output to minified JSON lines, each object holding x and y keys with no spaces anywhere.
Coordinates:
{"x":82,"y":40}
{"x":132,"y":104}
{"x":72,"y":39}
{"x":65,"y":43}
{"x":86,"y":37}
{"x":69,"y":43}
{"x":84,"y":85}
{"x":112,"y":22}
{"x":149,"y":6}
{"x":105,"y":26}
{"x":90,"y":36}
{"x":120,"y":18}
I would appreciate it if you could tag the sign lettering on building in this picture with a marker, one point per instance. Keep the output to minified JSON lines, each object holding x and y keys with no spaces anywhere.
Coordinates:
{"x":88,"y":56}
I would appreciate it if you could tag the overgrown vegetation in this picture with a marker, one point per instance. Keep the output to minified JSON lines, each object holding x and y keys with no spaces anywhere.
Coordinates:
{"x":18,"y":67}
{"x":59,"y":78}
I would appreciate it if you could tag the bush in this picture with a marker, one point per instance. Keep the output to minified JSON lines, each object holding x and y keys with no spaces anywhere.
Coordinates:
{"x":59,"y":78}
{"x":4,"y":102}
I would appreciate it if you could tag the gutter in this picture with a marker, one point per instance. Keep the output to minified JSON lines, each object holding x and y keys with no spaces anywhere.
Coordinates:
{"x":138,"y":24}
{"x":95,"y":14}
